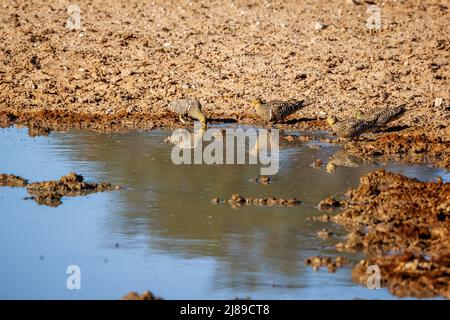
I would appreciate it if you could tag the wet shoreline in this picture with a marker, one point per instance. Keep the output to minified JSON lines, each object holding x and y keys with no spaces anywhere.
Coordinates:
{"x":410,"y":146}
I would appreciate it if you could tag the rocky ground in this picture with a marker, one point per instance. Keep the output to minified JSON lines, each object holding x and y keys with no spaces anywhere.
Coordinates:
{"x":403,"y":225}
{"x":129,"y":59}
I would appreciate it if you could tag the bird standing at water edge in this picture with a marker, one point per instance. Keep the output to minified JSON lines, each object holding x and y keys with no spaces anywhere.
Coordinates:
{"x":349,"y":128}
{"x":275,"y":111}
{"x":188,"y":108}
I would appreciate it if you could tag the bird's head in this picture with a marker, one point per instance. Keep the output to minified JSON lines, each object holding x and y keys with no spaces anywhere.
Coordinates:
{"x":256,"y":102}
{"x":332,"y":120}
{"x":359,"y":114}
{"x":196,"y":113}
{"x":202,"y":118}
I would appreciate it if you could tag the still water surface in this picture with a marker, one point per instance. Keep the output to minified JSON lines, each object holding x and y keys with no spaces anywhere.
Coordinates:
{"x":161,"y":233}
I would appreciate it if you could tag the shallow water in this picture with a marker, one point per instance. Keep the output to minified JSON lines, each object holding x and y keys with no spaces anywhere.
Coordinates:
{"x":161,"y":233}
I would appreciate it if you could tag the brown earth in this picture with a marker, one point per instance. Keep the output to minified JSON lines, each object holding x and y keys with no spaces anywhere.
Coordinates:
{"x":49,"y":193}
{"x":404,"y":227}
{"x":146,"y":295}
{"x":129,"y":59}
{"x":411,"y":146}
{"x":11,"y":180}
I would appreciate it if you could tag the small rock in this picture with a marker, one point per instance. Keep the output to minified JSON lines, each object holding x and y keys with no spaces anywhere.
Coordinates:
{"x":316,"y":164}
{"x":319,"y":25}
{"x":321,"y":115}
{"x":438,"y":102}
{"x":263,"y":179}
{"x":301,"y":76}
{"x":329,"y":203}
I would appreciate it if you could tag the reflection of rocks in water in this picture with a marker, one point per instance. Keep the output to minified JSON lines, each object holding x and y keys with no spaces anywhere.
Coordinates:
{"x":316,"y":262}
{"x":325,"y":234}
{"x":404,"y":227}
{"x":37,"y":130}
{"x":343,"y":159}
{"x":237,"y":200}
{"x":10,"y":180}
{"x":322,"y":218}
{"x":331,"y":203}
{"x":7,"y":120}
{"x":146,"y":295}
{"x":265,"y":180}
{"x":49,"y":193}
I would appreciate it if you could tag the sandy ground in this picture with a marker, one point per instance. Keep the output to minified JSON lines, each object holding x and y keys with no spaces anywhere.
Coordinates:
{"x":131,"y":58}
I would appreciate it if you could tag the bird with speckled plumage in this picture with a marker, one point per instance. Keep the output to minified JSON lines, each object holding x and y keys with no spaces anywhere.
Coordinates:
{"x":275,"y":111}
{"x":350,"y":128}
{"x":188,"y":108}
{"x":382,"y":117}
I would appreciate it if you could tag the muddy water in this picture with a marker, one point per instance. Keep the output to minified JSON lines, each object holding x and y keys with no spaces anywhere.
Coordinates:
{"x":161,"y":232}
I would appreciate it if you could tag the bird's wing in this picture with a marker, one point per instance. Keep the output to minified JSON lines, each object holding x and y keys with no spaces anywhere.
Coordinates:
{"x":282,"y":109}
{"x":179,"y":106}
{"x":387,"y":115}
{"x":383,"y":116}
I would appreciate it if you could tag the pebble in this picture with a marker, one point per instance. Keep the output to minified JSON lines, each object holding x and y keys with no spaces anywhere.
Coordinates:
{"x":438,"y":102}
{"x":319,"y":25}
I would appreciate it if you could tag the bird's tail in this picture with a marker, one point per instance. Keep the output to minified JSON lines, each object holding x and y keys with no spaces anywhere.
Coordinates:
{"x":389,"y":115}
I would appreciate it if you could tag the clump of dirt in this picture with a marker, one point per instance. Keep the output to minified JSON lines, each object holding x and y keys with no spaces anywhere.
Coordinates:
{"x":146,"y":295}
{"x":37,"y":130}
{"x":316,"y":262}
{"x":11,"y":180}
{"x":237,"y":200}
{"x":331,"y":203}
{"x":413,"y":147}
{"x":404,"y":226}
{"x":265,"y":180}
{"x":50,"y":192}
{"x":317,"y":163}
